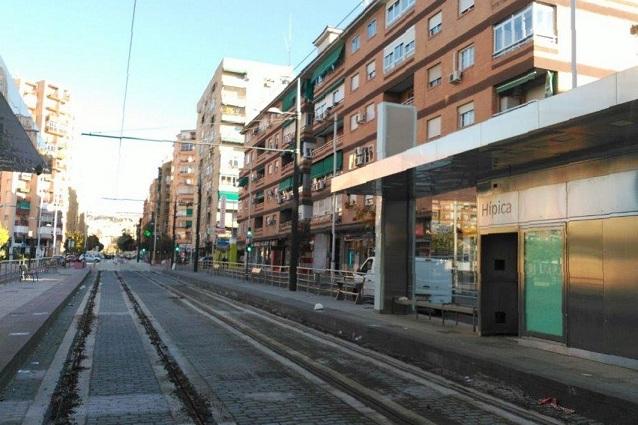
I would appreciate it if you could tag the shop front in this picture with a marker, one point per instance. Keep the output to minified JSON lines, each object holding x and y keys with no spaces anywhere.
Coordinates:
{"x":553,"y":251}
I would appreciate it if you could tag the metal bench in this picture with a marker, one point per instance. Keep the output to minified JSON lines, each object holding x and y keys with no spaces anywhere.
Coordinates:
{"x":443,"y":308}
{"x":26,"y":272}
{"x":354,"y":289}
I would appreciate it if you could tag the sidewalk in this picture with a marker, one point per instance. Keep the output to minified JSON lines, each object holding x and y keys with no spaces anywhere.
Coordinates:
{"x":605,"y":392}
{"x":26,"y":309}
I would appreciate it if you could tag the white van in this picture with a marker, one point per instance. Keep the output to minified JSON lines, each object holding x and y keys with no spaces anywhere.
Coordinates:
{"x":433,"y":278}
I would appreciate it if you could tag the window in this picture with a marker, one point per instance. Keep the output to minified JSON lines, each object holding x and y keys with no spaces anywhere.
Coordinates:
{"x":372,"y":28}
{"x":434,"y":24}
{"x":535,"y":19}
{"x":396,"y":9}
{"x":354,"y":82}
{"x":338,"y":94}
{"x":434,"y":127}
{"x":354,"y":121}
{"x":466,"y":115}
{"x":399,"y":49}
{"x":355,"y":43}
{"x":370,"y":112}
{"x":434,"y":75}
{"x":371,"y":70}
{"x":466,"y":58}
{"x":465,"y":6}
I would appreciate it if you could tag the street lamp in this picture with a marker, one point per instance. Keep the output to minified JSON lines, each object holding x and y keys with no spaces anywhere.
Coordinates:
{"x":294,"y":239}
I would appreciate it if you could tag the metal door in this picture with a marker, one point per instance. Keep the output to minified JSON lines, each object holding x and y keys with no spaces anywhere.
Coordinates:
{"x":499,"y":284}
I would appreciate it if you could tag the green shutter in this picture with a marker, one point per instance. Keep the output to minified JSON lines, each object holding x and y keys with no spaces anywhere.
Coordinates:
{"x":329,"y":63}
{"x":289,"y":100}
{"x":230,"y":196}
{"x":243,"y":181}
{"x":325,"y":166}
{"x":339,"y":160}
{"x":308,"y":90}
{"x":24,"y":205}
{"x":285,"y":184}
{"x":516,"y":82}
{"x":316,"y":171}
{"x":189,"y":212}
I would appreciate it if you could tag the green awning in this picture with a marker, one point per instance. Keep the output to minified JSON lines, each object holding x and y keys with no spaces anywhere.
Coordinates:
{"x":516,"y":82}
{"x":189,"y":212}
{"x":285,"y":184}
{"x":23,"y":205}
{"x":325,"y":166}
{"x":230,"y":196}
{"x":328,"y":91}
{"x":289,"y":100}
{"x":308,"y":90}
{"x":243,"y":181}
{"x":329,"y":62}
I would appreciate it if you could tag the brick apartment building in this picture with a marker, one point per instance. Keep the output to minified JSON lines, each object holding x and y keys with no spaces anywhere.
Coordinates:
{"x":457,"y":62}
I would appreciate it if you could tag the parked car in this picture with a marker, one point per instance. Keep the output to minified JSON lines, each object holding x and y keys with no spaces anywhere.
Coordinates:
{"x":70,"y":258}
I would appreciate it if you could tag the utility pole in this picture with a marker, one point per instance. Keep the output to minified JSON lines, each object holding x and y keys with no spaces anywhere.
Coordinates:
{"x":174,"y":239}
{"x":154,"y":238}
{"x":139,"y":239}
{"x":55,"y":220}
{"x":574,"y":58}
{"x":334,"y":198}
{"x":37,"y":251}
{"x":294,"y":234}
{"x":198,"y":216}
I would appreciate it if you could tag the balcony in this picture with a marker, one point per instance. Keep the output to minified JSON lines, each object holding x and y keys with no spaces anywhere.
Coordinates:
{"x":233,"y":100}
{"x":325,"y":219}
{"x":47,"y":232}
{"x":326,"y":147}
{"x":56,"y":128}
{"x":20,"y":229}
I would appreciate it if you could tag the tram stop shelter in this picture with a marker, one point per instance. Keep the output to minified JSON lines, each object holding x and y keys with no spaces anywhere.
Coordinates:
{"x":555,"y":205}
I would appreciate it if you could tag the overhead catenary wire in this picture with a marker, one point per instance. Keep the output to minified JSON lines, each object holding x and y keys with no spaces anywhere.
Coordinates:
{"x":128,"y":69}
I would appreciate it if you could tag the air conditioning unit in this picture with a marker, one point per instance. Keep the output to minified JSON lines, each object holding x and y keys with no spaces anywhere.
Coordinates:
{"x":455,"y":77}
{"x":360,"y":160}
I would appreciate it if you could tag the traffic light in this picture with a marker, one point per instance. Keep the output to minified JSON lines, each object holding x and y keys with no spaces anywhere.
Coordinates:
{"x":177,"y":248}
{"x":249,"y":240}
{"x":148,"y":233}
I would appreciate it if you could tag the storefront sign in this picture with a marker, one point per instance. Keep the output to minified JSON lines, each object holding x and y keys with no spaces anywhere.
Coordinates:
{"x":498,"y":209}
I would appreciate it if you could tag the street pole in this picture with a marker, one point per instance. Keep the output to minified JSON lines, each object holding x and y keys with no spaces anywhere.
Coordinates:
{"x":198,"y":216}
{"x":139,"y":239}
{"x":334,"y":199}
{"x":294,"y":242}
{"x":250,"y":204}
{"x":574,"y":67}
{"x":39,"y":224}
{"x":154,"y":239}
{"x":174,"y":239}
{"x":55,"y":221}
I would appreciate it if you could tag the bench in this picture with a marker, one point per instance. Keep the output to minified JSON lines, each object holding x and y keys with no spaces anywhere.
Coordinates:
{"x":26,"y":272}
{"x":256,"y":273}
{"x":354,"y":289}
{"x":443,"y":308}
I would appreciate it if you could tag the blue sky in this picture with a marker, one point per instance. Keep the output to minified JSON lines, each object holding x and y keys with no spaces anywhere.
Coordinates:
{"x":82,"y":45}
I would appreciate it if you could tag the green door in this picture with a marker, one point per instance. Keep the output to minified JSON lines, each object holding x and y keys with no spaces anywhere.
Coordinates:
{"x":543,"y":268}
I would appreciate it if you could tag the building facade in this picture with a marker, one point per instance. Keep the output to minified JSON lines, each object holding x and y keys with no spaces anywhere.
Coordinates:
{"x":157,"y":207}
{"x":183,"y":191}
{"x":237,"y":91}
{"x":51,"y":109}
{"x":455,"y":63}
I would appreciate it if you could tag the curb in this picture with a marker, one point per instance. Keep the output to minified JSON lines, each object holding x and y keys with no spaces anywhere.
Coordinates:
{"x":448,"y":363}
{"x":12,"y":366}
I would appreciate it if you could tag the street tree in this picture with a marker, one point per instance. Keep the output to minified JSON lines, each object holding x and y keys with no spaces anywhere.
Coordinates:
{"x":74,"y":242}
{"x":93,"y":242}
{"x":126,"y":242}
{"x":4,"y":241}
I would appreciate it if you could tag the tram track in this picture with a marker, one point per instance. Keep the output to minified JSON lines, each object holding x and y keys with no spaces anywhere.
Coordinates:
{"x":196,"y":297}
{"x":194,"y":404}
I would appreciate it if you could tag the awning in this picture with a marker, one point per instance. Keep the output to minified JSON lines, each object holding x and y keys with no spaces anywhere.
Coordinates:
{"x":329,"y":63}
{"x":243,"y":181}
{"x":590,"y":122}
{"x":285,"y":184}
{"x":17,"y":152}
{"x":325,"y":166}
{"x":289,"y":100}
{"x":230,"y":196}
{"x":517,"y":82}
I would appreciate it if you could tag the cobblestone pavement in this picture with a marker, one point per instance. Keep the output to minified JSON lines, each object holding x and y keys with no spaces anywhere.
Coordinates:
{"x":123,"y":388}
{"x":19,"y":393}
{"x":253,"y":387}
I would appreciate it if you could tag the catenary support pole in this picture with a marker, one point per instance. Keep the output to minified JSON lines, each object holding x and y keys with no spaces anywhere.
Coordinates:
{"x":198,"y":216}
{"x":334,"y":201}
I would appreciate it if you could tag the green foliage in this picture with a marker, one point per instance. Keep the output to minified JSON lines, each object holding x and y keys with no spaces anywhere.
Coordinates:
{"x":74,"y":243}
{"x":126,"y":242}
{"x":93,"y":242}
{"x":4,"y":241}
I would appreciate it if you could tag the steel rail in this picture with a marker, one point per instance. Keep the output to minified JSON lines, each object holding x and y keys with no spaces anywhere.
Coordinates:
{"x":477,"y":398}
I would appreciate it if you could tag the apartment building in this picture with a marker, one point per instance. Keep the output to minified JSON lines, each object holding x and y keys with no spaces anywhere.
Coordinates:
{"x":157,"y":205}
{"x":236,"y":92}
{"x":51,"y":109}
{"x":19,"y":199}
{"x":183,"y":190}
{"x":452,"y":64}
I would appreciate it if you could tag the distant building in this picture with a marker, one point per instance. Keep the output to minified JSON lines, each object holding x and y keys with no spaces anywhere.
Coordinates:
{"x":237,"y":91}
{"x":183,"y":187}
{"x":50,"y":107}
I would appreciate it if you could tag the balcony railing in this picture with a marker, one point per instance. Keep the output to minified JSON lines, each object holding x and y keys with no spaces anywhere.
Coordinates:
{"x":320,"y":150}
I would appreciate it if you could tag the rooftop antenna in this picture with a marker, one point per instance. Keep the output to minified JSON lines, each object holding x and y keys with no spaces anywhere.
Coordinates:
{"x":288,"y":40}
